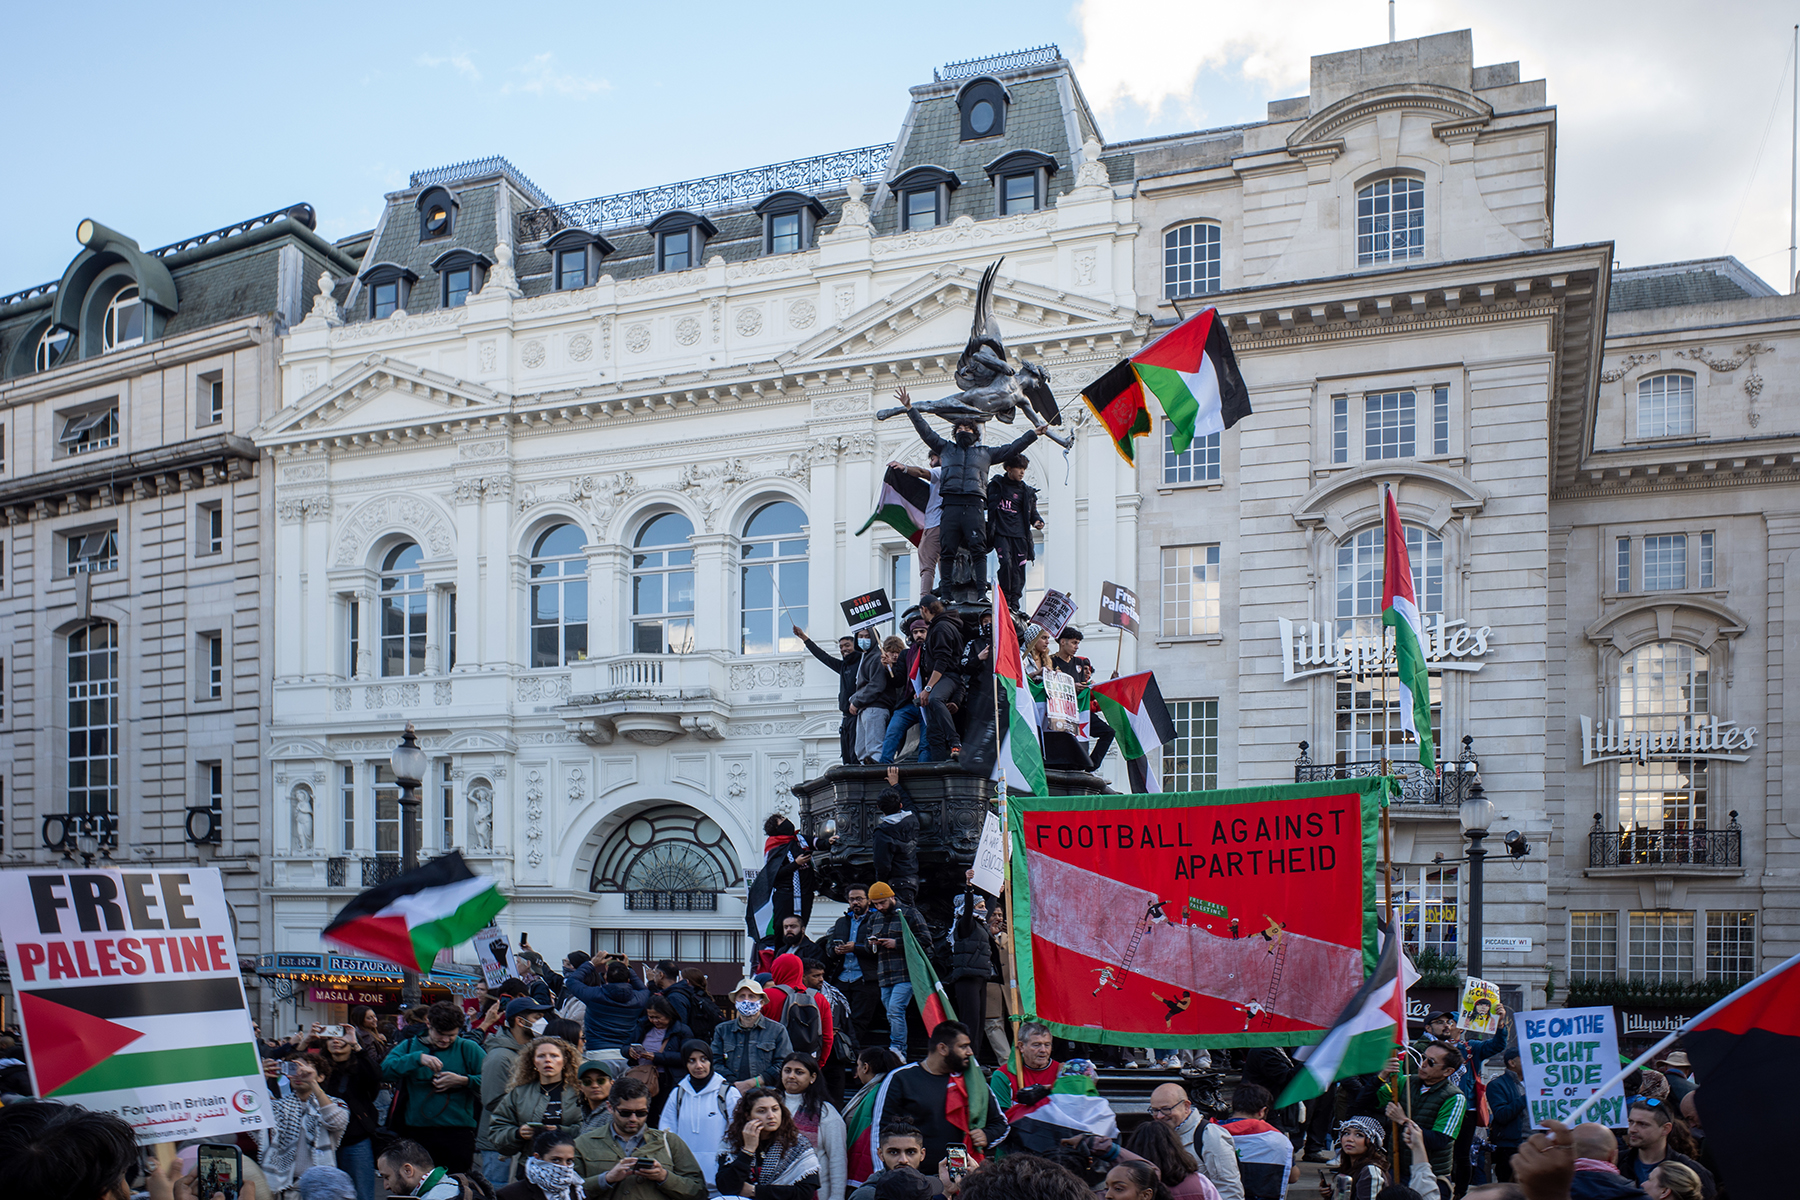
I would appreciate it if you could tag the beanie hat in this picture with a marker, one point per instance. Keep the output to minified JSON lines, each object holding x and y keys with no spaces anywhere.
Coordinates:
{"x":579,"y":958}
{"x":325,"y":1183}
{"x":881,"y":891}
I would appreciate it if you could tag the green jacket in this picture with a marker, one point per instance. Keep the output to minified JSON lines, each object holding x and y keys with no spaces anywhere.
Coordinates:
{"x":496,"y":1072}
{"x":596,"y":1153}
{"x":524,"y":1105}
{"x":425,"y":1105}
{"x":1439,"y":1110}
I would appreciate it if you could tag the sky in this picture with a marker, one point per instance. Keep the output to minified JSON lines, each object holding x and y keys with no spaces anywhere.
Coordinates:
{"x":1674,"y":133}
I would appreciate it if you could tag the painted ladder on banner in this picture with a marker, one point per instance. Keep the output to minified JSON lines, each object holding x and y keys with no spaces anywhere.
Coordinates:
{"x":1137,"y":939}
{"x":1268,"y":1013}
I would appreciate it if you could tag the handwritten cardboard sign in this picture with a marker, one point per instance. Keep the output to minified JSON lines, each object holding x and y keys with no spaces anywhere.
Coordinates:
{"x":1567,"y":1054}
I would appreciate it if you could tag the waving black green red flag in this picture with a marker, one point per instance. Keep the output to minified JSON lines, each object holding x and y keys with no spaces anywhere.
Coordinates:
{"x":1192,"y":372}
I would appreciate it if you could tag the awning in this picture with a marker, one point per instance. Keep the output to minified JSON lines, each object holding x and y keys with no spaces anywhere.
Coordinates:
{"x":340,"y":970}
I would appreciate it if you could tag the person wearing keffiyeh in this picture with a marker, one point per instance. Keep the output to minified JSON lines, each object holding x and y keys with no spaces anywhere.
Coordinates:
{"x":766,"y":1152}
{"x":308,"y":1126}
{"x":549,"y":1172}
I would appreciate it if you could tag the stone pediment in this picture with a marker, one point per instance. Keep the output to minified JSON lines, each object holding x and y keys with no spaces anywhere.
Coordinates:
{"x":1451,"y":111}
{"x":932,"y":316}
{"x":380,"y":393}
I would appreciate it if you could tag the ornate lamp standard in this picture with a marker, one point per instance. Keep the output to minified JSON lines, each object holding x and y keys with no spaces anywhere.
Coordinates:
{"x":409,"y":765}
{"x":1476,"y":815}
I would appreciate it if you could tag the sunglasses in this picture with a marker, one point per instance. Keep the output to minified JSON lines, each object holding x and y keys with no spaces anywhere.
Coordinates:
{"x":1652,"y":1101}
{"x":631,"y":1112}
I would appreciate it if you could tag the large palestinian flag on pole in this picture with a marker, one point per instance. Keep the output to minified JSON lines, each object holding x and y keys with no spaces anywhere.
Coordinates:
{"x":407,"y":920}
{"x":1020,"y":765}
{"x":1369,"y":1031}
{"x":1194,"y":376}
{"x":1243,"y":917}
{"x":1400,"y":612}
{"x":1134,"y":707}
{"x":902,"y":504}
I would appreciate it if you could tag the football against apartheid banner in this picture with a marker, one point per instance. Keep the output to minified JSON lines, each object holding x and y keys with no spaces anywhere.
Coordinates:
{"x":1243,"y":917}
{"x":130,"y":997}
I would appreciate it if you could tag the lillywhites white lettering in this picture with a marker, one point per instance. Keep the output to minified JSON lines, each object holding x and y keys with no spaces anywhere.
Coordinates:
{"x":1307,"y":649}
{"x":1709,"y":738}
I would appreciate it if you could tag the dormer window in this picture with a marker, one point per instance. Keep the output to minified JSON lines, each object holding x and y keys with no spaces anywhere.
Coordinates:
{"x":789,"y":222}
{"x":575,"y":256}
{"x":461,"y":274}
{"x":681,"y":240}
{"x":983,"y":104}
{"x":390,"y":288}
{"x":1021,"y":181}
{"x":124,"y":323}
{"x":437,"y":214}
{"x":924,"y":194}
{"x":50,"y":347}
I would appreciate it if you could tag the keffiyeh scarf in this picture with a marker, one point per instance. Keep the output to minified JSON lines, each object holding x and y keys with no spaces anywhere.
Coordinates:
{"x":295,"y":1121}
{"x":784,"y":1167}
{"x":553,"y":1179}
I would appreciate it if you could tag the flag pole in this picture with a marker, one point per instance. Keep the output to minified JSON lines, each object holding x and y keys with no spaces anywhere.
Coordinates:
{"x":1387,"y":840}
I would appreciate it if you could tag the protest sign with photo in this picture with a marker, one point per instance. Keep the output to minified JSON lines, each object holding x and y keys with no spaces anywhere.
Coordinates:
{"x":491,"y":952}
{"x":1567,"y":1053}
{"x":1477,"y":1012}
{"x":130,"y":998}
{"x":870,"y":608}
{"x":1054,"y":612}
{"x":1062,"y":711}
{"x":1118,"y":606}
{"x":1242,"y":917}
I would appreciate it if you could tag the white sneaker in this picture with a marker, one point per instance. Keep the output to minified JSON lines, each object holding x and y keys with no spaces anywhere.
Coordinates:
{"x":1172,"y":1063}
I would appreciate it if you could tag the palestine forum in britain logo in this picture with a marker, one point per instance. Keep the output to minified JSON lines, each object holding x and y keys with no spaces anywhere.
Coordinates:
{"x":244,"y":1100}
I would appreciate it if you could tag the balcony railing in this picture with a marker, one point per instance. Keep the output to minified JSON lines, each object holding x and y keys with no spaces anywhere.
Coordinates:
{"x":1682,"y":845}
{"x":1445,"y":786}
{"x":337,"y":872}
{"x":380,"y":869}
{"x":671,"y":902}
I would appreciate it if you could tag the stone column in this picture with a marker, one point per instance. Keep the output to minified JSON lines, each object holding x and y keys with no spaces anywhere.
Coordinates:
{"x":716,"y":592}
{"x":368,"y":641}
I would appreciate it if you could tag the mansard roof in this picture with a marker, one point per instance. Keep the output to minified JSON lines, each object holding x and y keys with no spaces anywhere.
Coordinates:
{"x":1677,"y":284}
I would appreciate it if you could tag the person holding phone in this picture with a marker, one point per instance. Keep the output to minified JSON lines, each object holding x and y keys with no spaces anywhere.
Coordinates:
{"x":765,"y":1154}
{"x":307,"y":1126}
{"x":355,"y":1081}
{"x":624,"y":1159}
{"x":441,"y":1073}
{"x":542,"y":1095}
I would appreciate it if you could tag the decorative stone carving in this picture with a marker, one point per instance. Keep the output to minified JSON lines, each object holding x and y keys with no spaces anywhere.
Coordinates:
{"x":775,"y":264}
{"x":309,"y":379}
{"x":501,"y":276}
{"x":840,"y":406}
{"x":748,"y":321}
{"x":390,"y":512}
{"x":750,"y":677}
{"x":1725,"y":366}
{"x":482,"y":450}
{"x":533,"y":688}
{"x":481,"y":820}
{"x":1627,"y":365}
{"x":486,"y":354}
{"x":855,"y":213}
{"x":534,"y":816}
{"x":965,"y":229}
{"x":391,"y":695}
{"x":687,"y":331}
{"x":715,"y":309}
{"x":802,"y":314}
{"x":301,"y":507}
{"x":577,"y":785}
{"x":550,"y":301}
{"x":303,"y":819}
{"x":1085,"y":261}
{"x":606,"y":324}
{"x":324,"y":305}
{"x":783,"y":772}
{"x":843,"y":301}
{"x":303,"y":472}
{"x":398,"y":325}
{"x":532,"y":354}
{"x":440,"y":692}
{"x":1092,"y":172}
{"x":706,"y":486}
{"x":340,"y":699}
{"x":744,"y":729}
{"x":637,"y":338}
{"x":737,"y":780}
{"x":490,"y":487}
{"x":581,"y":347}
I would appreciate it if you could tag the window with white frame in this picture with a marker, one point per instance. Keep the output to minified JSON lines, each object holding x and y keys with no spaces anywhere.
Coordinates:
{"x":212,"y":791}
{"x":1190,"y":591}
{"x":447,"y":807}
{"x":347,"y":803}
{"x":1191,"y":260}
{"x":403,"y":611}
{"x":1425,"y":902}
{"x":50,"y":348}
{"x":1666,"y":406}
{"x":1440,"y":420}
{"x":1706,"y":560}
{"x":1340,"y":429}
{"x":1367,"y":712}
{"x":559,"y":597}
{"x":1622,"y":565}
{"x":1191,"y":762}
{"x":1665,"y":562}
{"x":212,"y":665}
{"x":1593,"y":945}
{"x":93,"y":551}
{"x":1731,"y":945}
{"x":209,"y":528}
{"x":662,"y":587}
{"x":1388,"y":427}
{"x":1390,"y":221}
{"x":901,"y":574}
{"x":1663,"y":685}
{"x":387,"y":811}
{"x":123,"y":325}
{"x":1660,"y":946}
{"x":775,"y":578}
{"x":93,"y":698}
{"x":89,"y":429}
{"x":210,"y":398}
{"x":1199,"y":463}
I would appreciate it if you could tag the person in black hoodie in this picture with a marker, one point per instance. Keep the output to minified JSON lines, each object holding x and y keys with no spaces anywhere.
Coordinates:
{"x":355,"y":1080}
{"x":971,"y":954}
{"x":942,"y":686}
{"x":850,"y":656}
{"x":897,"y":840}
{"x":1012,"y":513}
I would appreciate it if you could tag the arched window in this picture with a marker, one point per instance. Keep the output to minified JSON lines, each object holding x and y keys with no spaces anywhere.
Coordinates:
{"x":1191,"y":260}
{"x":1666,"y":406}
{"x":774,"y":579}
{"x":559,"y":597}
{"x":403,"y":611}
{"x":124,"y":324}
{"x":94,"y":719}
{"x":1662,"y":685}
{"x":1368,"y":714}
{"x":662,"y":587}
{"x":1390,"y":221}
{"x":672,"y":848}
{"x":50,"y":348}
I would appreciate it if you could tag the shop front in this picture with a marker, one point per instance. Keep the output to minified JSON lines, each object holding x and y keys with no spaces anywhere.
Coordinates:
{"x":321,"y":987}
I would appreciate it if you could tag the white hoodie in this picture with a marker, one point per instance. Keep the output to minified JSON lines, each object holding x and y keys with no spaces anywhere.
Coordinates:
{"x":699,"y":1118}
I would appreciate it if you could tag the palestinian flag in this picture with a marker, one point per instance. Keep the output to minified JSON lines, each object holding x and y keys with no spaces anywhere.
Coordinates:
{"x":1074,"y":1106}
{"x":966,"y":1102}
{"x":903,"y":501}
{"x":1193,"y":374}
{"x":1020,"y":762}
{"x":1134,"y":707}
{"x":1746,"y":1049}
{"x":407,"y":920}
{"x":859,"y":1120}
{"x":1365,"y":1035}
{"x":1400,"y":612}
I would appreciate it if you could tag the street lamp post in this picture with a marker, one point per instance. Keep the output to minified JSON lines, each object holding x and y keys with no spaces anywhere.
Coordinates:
{"x":1476,"y":814}
{"x":409,"y":765}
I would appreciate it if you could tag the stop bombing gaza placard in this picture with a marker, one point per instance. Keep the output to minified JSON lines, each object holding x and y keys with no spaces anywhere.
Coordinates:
{"x":130,"y":997}
{"x":1567,"y":1053}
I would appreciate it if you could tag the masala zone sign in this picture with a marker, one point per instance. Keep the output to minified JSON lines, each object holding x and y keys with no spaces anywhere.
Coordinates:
{"x":1307,"y":650}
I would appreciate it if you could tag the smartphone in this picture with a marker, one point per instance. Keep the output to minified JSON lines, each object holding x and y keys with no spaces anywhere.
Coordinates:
{"x":287,"y":1067}
{"x":958,"y":1158}
{"x":333,"y":1031}
{"x":221,"y":1169}
{"x":637,"y":1047}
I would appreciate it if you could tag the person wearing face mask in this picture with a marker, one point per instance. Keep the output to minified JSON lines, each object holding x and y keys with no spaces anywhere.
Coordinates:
{"x":750,"y":1049}
{"x":845,"y":665}
{"x":879,"y":689}
{"x":963,"y":483}
{"x":549,"y":1173}
{"x":519,"y":1024}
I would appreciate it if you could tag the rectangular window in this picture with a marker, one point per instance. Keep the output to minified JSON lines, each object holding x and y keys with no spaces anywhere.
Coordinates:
{"x":1191,"y":762}
{"x":450,"y":619}
{"x":447,"y":792}
{"x":1388,"y":425}
{"x":1731,"y":946}
{"x":93,"y":729}
{"x":355,"y":615}
{"x":212,"y":650}
{"x":784,"y":233}
{"x":1661,"y":946}
{"x":1190,"y":591}
{"x":457,"y":285}
{"x":2,"y":688}
{"x":347,"y":801}
{"x":1666,"y":406}
{"x":1191,"y":260}
{"x":1665,"y":562}
{"x":210,"y":402}
{"x":387,"y":811}
{"x":1706,"y":560}
{"x":921,"y":209}
{"x":1340,"y":429}
{"x":1440,"y":420}
{"x":1622,"y":578}
{"x":209,"y":532}
{"x":92,"y":429}
{"x":384,"y":298}
{"x":900,"y":579}
{"x":1390,"y":221}
{"x":1426,"y":907}
{"x":571,"y":269}
{"x":2,"y":447}
{"x":93,"y":552}
{"x":1593,"y":945}
{"x":212,"y":787}
{"x":1199,"y":463}
{"x":1018,"y":194}
{"x":675,"y":255}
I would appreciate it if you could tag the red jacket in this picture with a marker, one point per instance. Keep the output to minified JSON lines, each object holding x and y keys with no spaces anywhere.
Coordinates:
{"x":790,"y":972}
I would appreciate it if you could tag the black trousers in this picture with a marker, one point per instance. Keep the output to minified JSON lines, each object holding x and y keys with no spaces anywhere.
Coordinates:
{"x":963,"y":525}
{"x":1459,"y":1165}
{"x":865,"y":1010}
{"x":452,"y":1147}
{"x":940,"y":725}
{"x":847,"y":739}
{"x":1014,"y":554}
{"x":970,"y":998}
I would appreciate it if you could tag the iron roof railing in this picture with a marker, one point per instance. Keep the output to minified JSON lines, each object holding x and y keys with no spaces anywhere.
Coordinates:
{"x":993,"y":64}
{"x":303,"y":213}
{"x":457,"y":172}
{"x":699,"y":195}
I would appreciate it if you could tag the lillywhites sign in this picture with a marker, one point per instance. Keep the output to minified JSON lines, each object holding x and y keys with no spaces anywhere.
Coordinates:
{"x":1307,"y":649}
{"x":1712,"y":738}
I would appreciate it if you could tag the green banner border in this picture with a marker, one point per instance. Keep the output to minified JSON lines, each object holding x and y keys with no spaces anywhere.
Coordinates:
{"x":1374,"y":792}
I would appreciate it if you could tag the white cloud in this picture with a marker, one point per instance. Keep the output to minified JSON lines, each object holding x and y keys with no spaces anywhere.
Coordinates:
{"x":459,"y":62}
{"x":543,"y":78}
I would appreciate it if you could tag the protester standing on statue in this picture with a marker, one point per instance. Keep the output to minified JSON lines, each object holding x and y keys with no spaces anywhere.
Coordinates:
{"x":896,"y":839}
{"x":1012,"y":510}
{"x":934,"y":508}
{"x":907,"y":714}
{"x":941,"y":686}
{"x":880,"y":688}
{"x":844,"y":666}
{"x":851,"y":963}
{"x":889,"y":940}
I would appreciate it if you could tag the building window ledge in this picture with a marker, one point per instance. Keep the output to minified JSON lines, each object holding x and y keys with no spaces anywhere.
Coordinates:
{"x":1209,"y":639}
{"x":1216,"y":485}
{"x":1663,"y":870}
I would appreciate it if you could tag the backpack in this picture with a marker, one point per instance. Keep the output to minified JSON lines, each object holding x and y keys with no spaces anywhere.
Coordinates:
{"x":704,"y":1016}
{"x":474,"y":1186}
{"x":844,"y":1046}
{"x":800,"y":1017}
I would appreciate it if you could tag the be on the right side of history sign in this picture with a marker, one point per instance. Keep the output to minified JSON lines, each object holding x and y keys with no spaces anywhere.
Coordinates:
{"x":1567,"y":1053}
